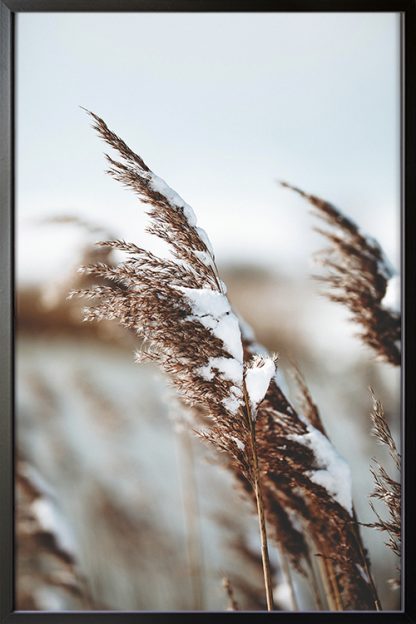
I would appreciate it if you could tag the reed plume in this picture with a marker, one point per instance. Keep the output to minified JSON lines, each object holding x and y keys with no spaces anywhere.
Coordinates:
{"x":359,"y":276}
{"x":387,"y":489}
{"x":178,"y":306}
{"x":310,"y":483}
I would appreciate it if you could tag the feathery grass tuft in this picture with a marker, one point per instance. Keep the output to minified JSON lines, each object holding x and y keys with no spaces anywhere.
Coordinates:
{"x":178,"y":306}
{"x":387,"y":489}
{"x":359,"y":276}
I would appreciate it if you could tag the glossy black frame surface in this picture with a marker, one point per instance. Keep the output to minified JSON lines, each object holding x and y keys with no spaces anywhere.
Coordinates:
{"x":8,"y":9}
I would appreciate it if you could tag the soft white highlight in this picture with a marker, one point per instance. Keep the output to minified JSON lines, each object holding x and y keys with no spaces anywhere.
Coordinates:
{"x":212,"y":309}
{"x":391,"y":299}
{"x":258,"y":376}
{"x":175,"y":200}
{"x":335,"y":474}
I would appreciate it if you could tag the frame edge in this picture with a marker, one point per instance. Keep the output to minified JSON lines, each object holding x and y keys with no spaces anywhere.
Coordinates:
{"x":6,"y":310}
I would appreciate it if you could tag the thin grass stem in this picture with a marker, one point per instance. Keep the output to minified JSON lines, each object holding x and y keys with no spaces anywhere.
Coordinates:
{"x":268,"y":585}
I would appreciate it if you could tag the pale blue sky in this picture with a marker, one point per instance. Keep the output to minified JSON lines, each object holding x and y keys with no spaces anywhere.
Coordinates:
{"x":220,"y":106}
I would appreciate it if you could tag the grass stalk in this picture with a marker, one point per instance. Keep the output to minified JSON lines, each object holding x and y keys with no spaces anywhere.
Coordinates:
{"x":191,"y":509}
{"x":328,"y":588}
{"x":334,"y":585}
{"x":268,"y":585}
{"x":179,"y":309}
{"x":316,"y":588}
{"x":289,"y":580}
{"x":366,"y":567}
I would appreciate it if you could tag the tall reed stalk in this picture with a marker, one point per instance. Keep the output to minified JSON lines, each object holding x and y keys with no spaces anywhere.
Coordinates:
{"x":259,"y":503}
{"x":283,"y":459}
{"x":191,"y":509}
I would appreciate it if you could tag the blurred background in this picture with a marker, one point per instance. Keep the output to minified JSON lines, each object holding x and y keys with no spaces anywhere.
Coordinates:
{"x":119,"y":506}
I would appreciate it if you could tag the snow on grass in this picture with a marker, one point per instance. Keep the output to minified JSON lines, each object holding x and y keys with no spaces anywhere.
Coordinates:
{"x":51,"y":520}
{"x":203,"y":256}
{"x":391,"y":299}
{"x":229,"y":368}
{"x":175,"y":200}
{"x":212,"y":309}
{"x":334,"y":473}
{"x":363,"y":573}
{"x":239,"y":443}
{"x":257,"y":378}
{"x":204,"y":237}
{"x":232,"y":403}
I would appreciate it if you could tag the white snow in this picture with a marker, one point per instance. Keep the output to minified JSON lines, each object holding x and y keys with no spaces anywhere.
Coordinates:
{"x":282,"y":594}
{"x":363,"y":573}
{"x":232,"y":404}
{"x":203,"y":256}
{"x":239,"y":443}
{"x":206,"y":301}
{"x":223,"y":286}
{"x":391,"y":300}
{"x":335,"y":475}
{"x":50,"y":519}
{"x":174,"y":199}
{"x":204,"y":237}
{"x":258,"y":376}
{"x":206,"y":256}
{"x":229,"y":368}
{"x":213,"y":311}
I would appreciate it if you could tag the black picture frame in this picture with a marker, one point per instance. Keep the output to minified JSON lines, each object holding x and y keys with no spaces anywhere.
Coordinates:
{"x":8,"y":11}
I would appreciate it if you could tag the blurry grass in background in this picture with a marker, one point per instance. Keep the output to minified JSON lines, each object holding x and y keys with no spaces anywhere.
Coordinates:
{"x":96,"y":428}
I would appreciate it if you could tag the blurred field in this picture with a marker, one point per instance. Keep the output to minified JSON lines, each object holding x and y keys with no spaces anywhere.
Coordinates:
{"x":135,"y":491}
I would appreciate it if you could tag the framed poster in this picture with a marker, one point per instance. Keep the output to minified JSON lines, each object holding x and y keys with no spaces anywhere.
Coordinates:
{"x":204,"y":402}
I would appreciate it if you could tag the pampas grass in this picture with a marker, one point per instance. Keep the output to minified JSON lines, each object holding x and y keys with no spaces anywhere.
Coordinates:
{"x":358,"y":275}
{"x":180,"y":308}
{"x":387,"y":490}
{"x":283,"y":459}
